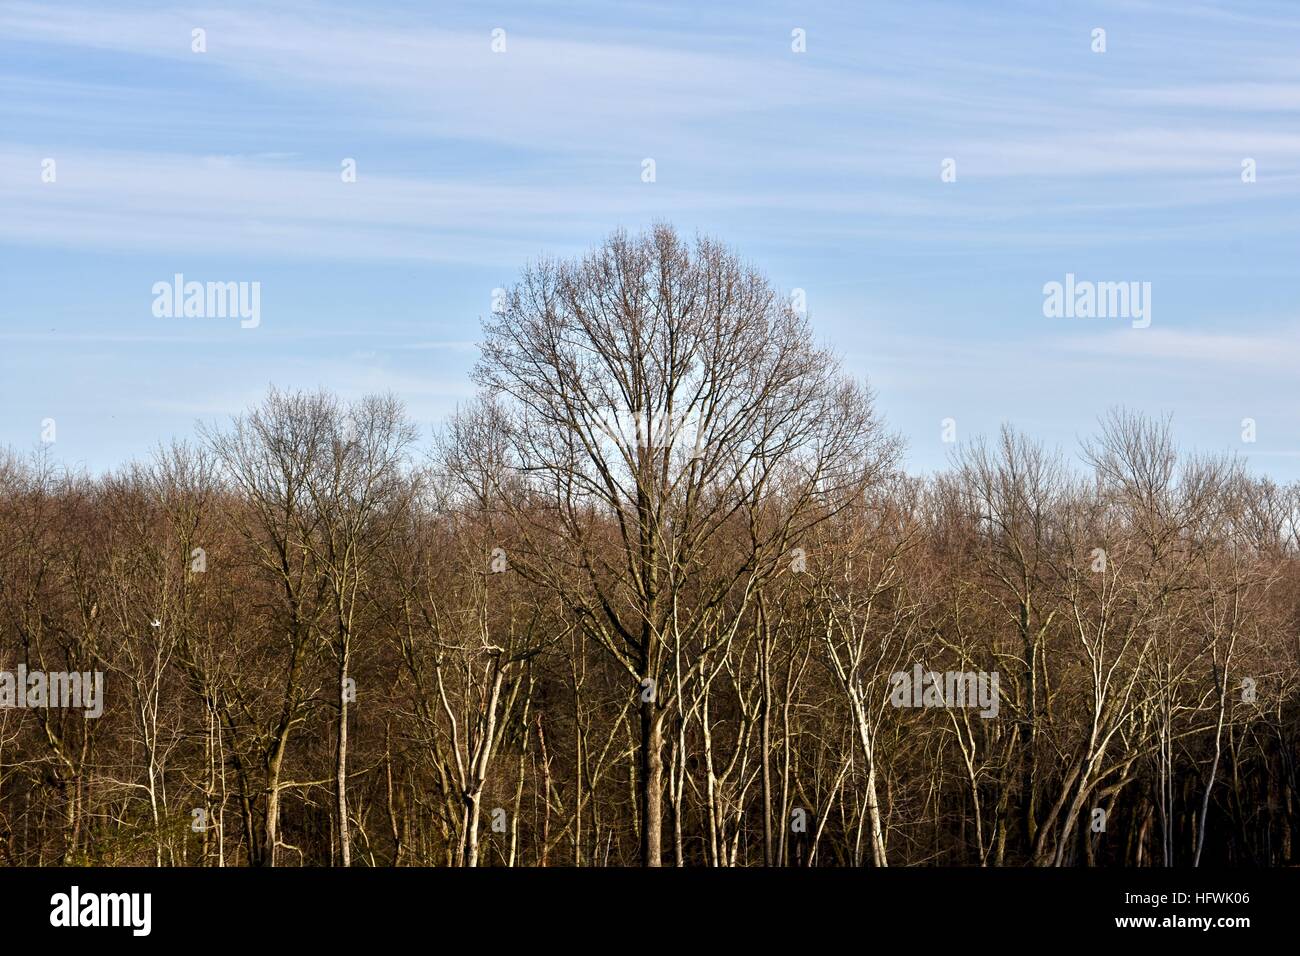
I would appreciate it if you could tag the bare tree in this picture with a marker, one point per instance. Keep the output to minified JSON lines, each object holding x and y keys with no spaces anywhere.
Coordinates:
{"x":660,"y":390}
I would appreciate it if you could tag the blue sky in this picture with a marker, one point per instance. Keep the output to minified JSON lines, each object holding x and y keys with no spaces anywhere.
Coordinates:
{"x":822,"y":167}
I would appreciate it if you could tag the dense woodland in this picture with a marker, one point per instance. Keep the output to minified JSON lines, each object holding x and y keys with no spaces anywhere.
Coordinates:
{"x":639,"y":604}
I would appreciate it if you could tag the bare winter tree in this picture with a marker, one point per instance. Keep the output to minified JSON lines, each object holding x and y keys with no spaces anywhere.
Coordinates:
{"x":358,"y":496}
{"x":270,"y":457}
{"x":651,"y":395}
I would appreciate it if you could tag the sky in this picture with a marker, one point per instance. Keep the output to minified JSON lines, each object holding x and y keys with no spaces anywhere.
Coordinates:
{"x":486,"y":135}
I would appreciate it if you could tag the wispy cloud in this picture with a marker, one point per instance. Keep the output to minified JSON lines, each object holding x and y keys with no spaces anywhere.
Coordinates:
{"x":1275,"y":350}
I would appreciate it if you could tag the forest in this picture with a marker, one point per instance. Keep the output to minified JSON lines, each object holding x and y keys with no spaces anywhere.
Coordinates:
{"x":643,"y":602}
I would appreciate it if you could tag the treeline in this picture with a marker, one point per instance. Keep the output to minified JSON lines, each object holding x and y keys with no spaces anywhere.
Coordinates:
{"x":644,"y":602}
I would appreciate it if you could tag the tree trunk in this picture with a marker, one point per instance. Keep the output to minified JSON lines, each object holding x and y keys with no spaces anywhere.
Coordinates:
{"x":341,"y":770}
{"x":651,"y":784}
